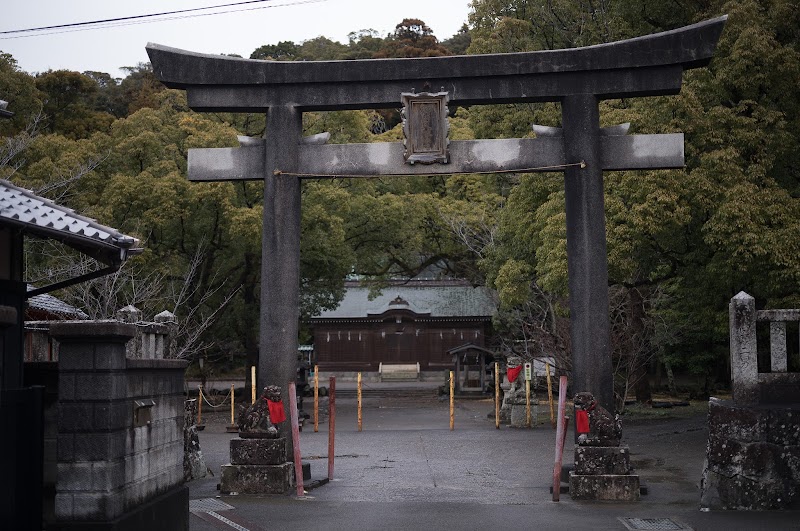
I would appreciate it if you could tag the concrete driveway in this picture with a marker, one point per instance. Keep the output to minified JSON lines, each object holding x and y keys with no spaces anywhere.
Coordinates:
{"x":407,"y":470}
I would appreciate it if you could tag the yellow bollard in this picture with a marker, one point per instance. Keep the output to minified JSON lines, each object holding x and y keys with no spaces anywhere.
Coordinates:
{"x":452,"y":402}
{"x":359,"y":401}
{"x":528,"y":401}
{"x":200,"y":404}
{"x":253,"y":383}
{"x":497,"y":395}
{"x":232,"y":428}
{"x":316,"y":398}
{"x":550,"y":395}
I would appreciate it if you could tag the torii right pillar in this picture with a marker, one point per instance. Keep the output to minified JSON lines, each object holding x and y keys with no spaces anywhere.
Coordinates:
{"x":587,"y":260}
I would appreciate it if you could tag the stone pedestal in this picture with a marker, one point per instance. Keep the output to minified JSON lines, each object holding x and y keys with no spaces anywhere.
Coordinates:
{"x":519,"y":416}
{"x":603,"y":473}
{"x":258,"y":466}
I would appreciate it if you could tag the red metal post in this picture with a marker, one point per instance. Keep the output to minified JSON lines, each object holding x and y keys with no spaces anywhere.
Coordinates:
{"x":561,"y":431}
{"x":331,"y":425}
{"x":298,"y":460}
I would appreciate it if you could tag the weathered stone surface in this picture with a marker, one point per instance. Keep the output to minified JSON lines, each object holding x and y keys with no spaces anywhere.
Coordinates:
{"x":256,"y":479}
{"x":741,"y":423}
{"x":752,"y":458}
{"x":488,"y":79}
{"x":519,"y":415}
{"x":779,"y":388}
{"x":194,"y":464}
{"x":777,"y":346}
{"x":783,"y":427}
{"x":604,"y":428}
{"x":597,"y":460}
{"x":744,"y":352}
{"x":719,"y":491}
{"x":604,"y":487}
{"x":70,"y":331}
{"x":258,"y":451}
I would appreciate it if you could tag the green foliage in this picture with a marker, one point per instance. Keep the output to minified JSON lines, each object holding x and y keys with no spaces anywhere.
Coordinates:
{"x":526,"y":25}
{"x":66,"y":104}
{"x":690,"y":238}
{"x":19,"y":89}
{"x":345,"y":127}
{"x":680,"y":242}
{"x":458,"y":43}
{"x":283,"y":51}
{"x":412,"y":38}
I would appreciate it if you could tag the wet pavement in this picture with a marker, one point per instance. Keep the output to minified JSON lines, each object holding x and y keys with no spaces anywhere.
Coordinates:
{"x":407,"y":470}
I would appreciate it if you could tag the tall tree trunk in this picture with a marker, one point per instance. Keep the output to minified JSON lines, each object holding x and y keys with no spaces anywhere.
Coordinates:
{"x":640,"y":376}
{"x":673,"y":389}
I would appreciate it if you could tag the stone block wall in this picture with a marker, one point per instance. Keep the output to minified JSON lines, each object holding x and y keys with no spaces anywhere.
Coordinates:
{"x":120,"y":425}
{"x":154,"y":451}
{"x":753,"y":457}
{"x":151,"y":340}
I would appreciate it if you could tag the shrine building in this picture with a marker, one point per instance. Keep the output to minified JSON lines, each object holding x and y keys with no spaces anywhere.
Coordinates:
{"x":417,"y":322}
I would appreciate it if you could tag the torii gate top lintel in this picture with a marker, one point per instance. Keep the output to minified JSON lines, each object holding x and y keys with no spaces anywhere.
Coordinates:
{"x":657,"y":62}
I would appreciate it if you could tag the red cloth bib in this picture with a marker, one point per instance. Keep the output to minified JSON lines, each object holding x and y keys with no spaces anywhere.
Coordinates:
{"x":513,"y":372}
{"x":276,"y":412}
{"x":581,"y":421}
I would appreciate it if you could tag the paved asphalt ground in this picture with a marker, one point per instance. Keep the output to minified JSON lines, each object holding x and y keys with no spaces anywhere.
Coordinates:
{"x":407,"y":470}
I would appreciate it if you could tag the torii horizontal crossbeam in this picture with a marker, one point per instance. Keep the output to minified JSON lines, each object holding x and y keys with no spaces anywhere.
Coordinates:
{"x":643,"y":66}
{"x":527,"y":155}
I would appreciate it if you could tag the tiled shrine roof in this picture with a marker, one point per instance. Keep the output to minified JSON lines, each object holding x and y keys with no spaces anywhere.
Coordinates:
{"x":43,"y":218}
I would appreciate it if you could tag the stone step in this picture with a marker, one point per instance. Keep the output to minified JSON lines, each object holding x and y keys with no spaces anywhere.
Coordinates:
{"x":387,"y":393}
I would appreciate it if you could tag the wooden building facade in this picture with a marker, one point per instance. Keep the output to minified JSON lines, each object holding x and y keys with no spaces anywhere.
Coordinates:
{"x":418,"y":321}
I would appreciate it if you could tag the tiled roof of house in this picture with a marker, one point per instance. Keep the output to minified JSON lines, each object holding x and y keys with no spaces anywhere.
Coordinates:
{"x":49,"y":304}
{"x":43,"y":218}
{"x":436,"y":298}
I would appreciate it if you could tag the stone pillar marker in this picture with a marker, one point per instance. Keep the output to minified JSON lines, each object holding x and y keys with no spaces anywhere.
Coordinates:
{"x":744,"y":353}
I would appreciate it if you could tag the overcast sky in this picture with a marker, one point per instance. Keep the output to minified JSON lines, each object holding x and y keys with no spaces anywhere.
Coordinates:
{"x":240,"y":31}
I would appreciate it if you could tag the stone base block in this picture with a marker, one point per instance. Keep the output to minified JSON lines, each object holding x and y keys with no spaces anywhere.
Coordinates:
{"x":607,"y":487}
{"x":258,"y":451}
{"x":602,"y":460}
{"x":752,"y":457}
{"x":720,"y":492}
{"x":256,"y":479}
{"x":519,"y":417}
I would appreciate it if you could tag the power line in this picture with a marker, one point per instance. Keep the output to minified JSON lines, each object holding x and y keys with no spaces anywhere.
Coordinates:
{"x":136,"y":19}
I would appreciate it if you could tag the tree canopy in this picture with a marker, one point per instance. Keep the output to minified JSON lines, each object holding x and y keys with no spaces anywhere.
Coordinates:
{"x":680,"y":242}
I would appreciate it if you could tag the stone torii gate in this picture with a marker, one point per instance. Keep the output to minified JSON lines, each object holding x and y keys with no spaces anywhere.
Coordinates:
{"x":576,"y":78}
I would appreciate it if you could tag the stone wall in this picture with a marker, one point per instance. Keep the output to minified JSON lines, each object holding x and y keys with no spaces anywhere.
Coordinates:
{"x":753,"y":457}
{"x":120,"y":428}
{"x":753,"y":452}
{"x":779,"y":385}
{"x":151,"y":340}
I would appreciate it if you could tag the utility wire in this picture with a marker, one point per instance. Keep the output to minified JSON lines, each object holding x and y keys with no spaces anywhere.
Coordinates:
{"x":136,"y":19}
